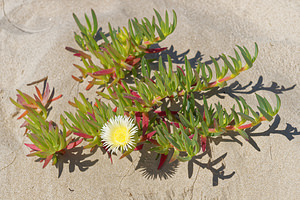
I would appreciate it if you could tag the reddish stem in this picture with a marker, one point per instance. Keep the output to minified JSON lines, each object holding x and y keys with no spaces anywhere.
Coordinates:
{"x":232,"y":127}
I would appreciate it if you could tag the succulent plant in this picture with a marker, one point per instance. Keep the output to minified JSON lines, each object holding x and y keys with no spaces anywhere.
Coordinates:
{"x":174,"y":129}
{"x":39,"y":103}
{"x":48,"y":140}
{"x":136,"y":114}
{"x":123,"y":52}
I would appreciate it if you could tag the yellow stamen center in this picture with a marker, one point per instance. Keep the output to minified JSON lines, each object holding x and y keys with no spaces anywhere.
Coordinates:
{"x":120,"y":135}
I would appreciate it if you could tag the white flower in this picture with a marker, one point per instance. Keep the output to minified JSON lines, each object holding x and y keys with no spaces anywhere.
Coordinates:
{"x":119,"y":133}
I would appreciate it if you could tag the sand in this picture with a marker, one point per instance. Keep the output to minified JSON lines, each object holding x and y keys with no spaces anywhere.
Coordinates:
{"x":33,"y":36}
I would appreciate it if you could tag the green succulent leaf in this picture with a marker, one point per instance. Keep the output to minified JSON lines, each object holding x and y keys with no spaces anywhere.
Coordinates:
{"x":276,"y":109}
{"x":247,"y":117}
{"x":265,"y":114}
{"x":243,"y":134}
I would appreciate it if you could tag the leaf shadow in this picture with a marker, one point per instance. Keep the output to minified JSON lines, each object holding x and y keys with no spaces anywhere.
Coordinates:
{"x":176,"y":58}
{"x":98,"y":36}
{"x":180,"y":58}
{"x":148,"y":164}
{"x":237,"y":88}
{"x":217,"y":172}
{"x":215,"y":166}
{"x":289,"y":132}
{"x":74,"y":158}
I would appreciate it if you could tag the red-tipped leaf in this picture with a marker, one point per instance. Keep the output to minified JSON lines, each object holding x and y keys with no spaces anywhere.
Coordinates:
{"x":140,"y":100}
{"x":77,"y":52}
{"x":38,"y":92}
{"x":164,"y":113}
{"x":149,"y":135}
{"x":191,"y":136}
{"x":176,"y":124}
{"x":203,"y":142}
{"x":24,"y":113}
{"x":163,"y":158}
{"x":74,"y":144}
{"x":145,"y":122}
{"x":83,"y":135}
{"x":138,"y":117}
{"x":139,"y":147}
{"x":92,"y":115}
{"x":90,"y":85}
{"x":77,"y":79}
{"x":33,"y":147}
{"x":181,"y":70}
{"x":46,"y":94}
{"x":156,"y":50}
{"x":47,"y":160}
{"x":56,"y":98}
{"x":104,"y":71}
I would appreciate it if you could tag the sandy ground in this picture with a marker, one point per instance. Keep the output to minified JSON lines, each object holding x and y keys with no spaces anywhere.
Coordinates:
{"x":33,"y":35}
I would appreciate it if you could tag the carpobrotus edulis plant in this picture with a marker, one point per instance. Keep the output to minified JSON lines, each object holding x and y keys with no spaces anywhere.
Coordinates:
{"x":135,"y":113}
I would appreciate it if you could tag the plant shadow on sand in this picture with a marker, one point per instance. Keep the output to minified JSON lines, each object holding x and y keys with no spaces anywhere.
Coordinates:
{"x":148,"y":164}
{"x":217,"y":172}
{"x":73,"y":158}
